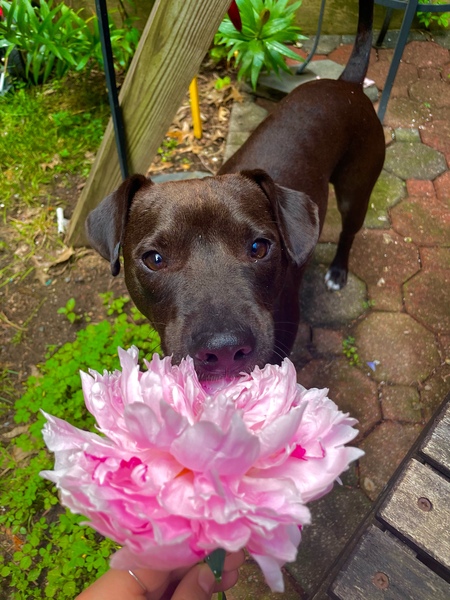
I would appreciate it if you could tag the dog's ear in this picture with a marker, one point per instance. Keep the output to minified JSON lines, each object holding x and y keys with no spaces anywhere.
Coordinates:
{"x":105,"y":225}
{"x":296,"y":214}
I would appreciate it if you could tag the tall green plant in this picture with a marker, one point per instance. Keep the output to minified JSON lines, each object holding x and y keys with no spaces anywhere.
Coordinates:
{"x":46,"y":37}
{"x":124,"y":41}
{"x":54,"y":38}
{"x":267,"y":26}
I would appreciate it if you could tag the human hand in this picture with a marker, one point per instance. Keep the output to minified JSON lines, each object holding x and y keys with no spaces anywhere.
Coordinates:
{"x":194,"y":583}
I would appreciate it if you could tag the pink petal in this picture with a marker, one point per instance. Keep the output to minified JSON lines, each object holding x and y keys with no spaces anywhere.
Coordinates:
{"x":205,"y":447}
{"x":172,"y":557}
{"x":142,"y":425}
{"x":279,"y":433}
{"x":273,"y":551}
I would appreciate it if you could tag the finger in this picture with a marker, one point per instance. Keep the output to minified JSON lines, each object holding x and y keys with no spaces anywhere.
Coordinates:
{"x":229,"y":579}
{"x":114,"y":585}
{"x":198,"y":584}
{"x":160,"y":584}
{"x":234,"y":561}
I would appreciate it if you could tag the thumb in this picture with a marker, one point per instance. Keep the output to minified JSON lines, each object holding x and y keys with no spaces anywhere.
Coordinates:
{"x":197,"y":584}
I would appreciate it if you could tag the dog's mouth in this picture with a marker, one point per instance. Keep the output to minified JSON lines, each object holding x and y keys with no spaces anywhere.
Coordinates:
{"x":213,"y":386}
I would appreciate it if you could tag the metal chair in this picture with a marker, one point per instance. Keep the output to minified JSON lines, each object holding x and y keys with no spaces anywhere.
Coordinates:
{"x":410,"y":7}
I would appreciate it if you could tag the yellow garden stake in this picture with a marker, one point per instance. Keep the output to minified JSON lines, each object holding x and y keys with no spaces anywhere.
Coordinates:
{"x":195,"y":108}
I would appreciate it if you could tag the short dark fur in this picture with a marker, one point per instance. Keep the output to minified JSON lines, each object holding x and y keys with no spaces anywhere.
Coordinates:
{"x":210,"y":292}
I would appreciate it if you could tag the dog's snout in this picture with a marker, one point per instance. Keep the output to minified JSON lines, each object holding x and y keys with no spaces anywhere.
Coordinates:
{"x":223,"y":354}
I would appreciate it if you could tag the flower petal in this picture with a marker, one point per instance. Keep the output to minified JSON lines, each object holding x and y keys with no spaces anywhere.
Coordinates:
{"x":205,"y":447}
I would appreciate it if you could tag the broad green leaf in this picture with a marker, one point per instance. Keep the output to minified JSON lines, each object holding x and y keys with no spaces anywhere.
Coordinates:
{"x":48,"y":67}
{"x":216,"y":560}
{"x":37,"y":63}
{"x":31,"y":12}
{"x":267,"y":26}
{"x":83,"y":62}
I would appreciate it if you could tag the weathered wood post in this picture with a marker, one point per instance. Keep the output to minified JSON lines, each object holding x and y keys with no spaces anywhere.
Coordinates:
{"x":173,"y":44}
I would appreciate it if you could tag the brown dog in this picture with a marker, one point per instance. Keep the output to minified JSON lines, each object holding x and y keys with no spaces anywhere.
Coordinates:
{"x":216,"y":264}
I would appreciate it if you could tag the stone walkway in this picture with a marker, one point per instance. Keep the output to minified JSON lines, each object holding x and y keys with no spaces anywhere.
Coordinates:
{"x":381,"y":345}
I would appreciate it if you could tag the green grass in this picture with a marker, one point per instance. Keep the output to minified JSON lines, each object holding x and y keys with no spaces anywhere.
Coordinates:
{"x":46,"y":131}
{"x":48,"y":139}
{"x":54,"y":555}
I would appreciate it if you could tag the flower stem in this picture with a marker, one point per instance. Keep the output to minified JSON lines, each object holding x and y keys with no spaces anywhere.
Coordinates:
{"x":215,"y":561}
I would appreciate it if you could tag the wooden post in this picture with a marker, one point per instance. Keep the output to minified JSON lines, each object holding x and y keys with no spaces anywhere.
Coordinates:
{"x":173,"y":45}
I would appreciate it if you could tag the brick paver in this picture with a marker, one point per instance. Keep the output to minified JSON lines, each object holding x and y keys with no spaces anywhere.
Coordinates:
{"x":349,"y":386}
{"x":433,"y":56}
{"x":430,"y":91}
{"x":405,"y":112}
{"x":427,"y":298}
{"x":388,"y":191}
{"x":406,"y":351}
{"x":401,"y":403}
{"x":385,"y":447}
{"x":410,"y":160}
{"x":425,"y":221}
{"x":384,"y":261}
{"x":442,"y":187}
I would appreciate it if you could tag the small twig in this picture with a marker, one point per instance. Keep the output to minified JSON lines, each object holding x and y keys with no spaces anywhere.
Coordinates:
{"x":5,"y":319}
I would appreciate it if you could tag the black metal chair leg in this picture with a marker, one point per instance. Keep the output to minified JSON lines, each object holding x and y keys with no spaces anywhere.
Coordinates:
{"x":119,"y":130}
{"x":398,"y":52}
{"x":385,"y":26}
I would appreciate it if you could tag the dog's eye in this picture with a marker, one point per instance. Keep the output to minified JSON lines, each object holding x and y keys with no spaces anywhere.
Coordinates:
{"x":154,"y":261}
{"x":259,"y":249}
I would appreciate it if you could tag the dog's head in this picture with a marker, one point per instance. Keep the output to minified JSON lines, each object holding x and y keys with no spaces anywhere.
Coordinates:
{"x":206,"y":261}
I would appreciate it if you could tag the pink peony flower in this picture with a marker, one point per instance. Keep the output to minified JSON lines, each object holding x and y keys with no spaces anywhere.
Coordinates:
{"x":180,"y":470}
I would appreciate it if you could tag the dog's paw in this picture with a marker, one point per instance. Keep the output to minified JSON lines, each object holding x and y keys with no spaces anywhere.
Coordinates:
{"x":335,"y":279}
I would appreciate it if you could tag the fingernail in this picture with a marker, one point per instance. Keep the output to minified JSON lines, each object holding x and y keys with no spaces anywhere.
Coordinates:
{"x":206,"y":579}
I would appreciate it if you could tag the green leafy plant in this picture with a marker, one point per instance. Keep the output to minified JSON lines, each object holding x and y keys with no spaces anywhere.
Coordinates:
{"x":267,"y":25}
{"x":124,"y":41}
{"x":368,"y":304}
{"x":442,"y":19}
{"x":69,"y":311}
{"x":54,"y":39}
{"x":55,"y":556}
{"x":350,"y":351}
{"x":114,"y":305}
{"x":222,"y":82}
{"x":47,"y":37}
{"x":167,"y":148}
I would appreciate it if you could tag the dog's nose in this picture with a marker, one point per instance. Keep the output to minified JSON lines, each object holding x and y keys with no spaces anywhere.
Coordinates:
{"x":223,"y":354}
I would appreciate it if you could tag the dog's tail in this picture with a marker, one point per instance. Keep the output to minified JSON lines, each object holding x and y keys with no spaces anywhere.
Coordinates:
{"x":357,"y":66}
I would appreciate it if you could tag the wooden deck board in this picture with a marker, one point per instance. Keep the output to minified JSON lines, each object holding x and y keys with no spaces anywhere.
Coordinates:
{"x":418,"y":508}
{"x":381,"y":568}
{"x":401,"y":550}
{"x":436,"y":447}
